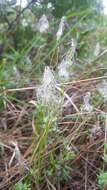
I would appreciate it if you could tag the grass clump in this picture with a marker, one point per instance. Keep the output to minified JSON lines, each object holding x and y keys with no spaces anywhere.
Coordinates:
{"x":22,"y":186}
{"x":102,"y":179}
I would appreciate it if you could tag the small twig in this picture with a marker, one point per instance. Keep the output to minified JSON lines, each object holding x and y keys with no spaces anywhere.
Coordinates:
{"x":84,"y":80}
{"x":67,"y":83}
{"x":51,"y":185}
{"x":86,"y":173}
{"x":20,"y":89}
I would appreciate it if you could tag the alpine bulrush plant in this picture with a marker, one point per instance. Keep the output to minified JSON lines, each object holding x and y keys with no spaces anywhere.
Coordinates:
{"x":48,"y":109}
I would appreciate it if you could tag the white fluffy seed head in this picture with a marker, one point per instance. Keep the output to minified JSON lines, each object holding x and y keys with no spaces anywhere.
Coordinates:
{"x":49,"y":5}
{"x":47,"y":92}
{"x":61,"y":28}
{"x":87,"y":107}
{"x":43,"y":24}
{"x":48,"y":77}
{"x":71,"y":52}
{"x":63,"y":72}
